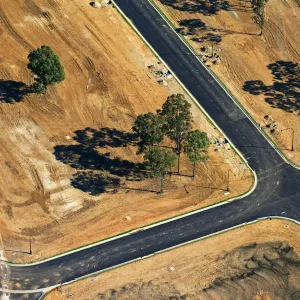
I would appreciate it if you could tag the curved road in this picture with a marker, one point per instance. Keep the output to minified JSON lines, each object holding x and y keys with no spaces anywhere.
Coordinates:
{"x":277,"y":192}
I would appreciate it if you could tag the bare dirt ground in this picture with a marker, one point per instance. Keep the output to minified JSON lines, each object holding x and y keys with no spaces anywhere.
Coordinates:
{"x":262,"y":72}
{"x":257,"y":262}
{"x":69,"y":170}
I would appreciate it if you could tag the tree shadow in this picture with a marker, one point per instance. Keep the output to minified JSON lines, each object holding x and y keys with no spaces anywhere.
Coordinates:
{"x":194,"y":27}
{"x":94,"y":183}
{"x":93,"y":166}
{"x":12,"y":91}
{"x":209,"y":37}
{"x":206,"y":7}
{"x":105,"y":137}
{"x":284,"y":93}
{"x":191,"y":26}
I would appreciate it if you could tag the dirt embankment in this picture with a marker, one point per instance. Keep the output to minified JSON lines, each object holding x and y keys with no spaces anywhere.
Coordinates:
{"x":69,"y":170}
{"x":255,"y":262}
{"x":261,"y":71}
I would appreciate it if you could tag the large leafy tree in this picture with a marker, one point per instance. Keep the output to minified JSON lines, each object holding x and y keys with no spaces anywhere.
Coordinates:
{"x":149,"y":128}
{"x":196,"y":146}
{"x":45,"y":64}
{"x":176,"y":111}
{"x":160,"y":161}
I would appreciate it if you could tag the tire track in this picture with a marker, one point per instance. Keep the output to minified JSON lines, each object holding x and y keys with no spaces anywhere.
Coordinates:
{"x":4,"y":20}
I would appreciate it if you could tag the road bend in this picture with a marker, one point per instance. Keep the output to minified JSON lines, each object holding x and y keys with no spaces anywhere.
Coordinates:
{"x":277,"y":192}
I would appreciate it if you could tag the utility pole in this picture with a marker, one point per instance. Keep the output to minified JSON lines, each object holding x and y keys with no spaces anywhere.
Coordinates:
{"x":30,"y":242}
{"x":228,"y":178}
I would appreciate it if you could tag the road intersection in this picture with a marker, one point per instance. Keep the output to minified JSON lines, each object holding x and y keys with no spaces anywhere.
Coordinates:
{"x":278,"y":183}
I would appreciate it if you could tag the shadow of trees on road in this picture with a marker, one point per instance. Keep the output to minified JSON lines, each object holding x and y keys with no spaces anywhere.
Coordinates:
{"x":12,"y":91}
{"x":284,"y":93}
{"x":99,"y":172}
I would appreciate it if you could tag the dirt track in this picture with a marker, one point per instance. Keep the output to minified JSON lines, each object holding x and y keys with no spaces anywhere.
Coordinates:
{"x":60,"y":151}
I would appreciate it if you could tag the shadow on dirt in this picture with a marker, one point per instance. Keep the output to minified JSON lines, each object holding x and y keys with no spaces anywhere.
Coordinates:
{"x":206,"y":7}
{"x":94,"y":183}
{"x":195,"y":27}
{"x":209,"y":37}
{"x":203,"y":33}
{"x":284,"y":93}
{"x":12,"y":91}
{"x":209,"y":7}
{"x":100,"y":172}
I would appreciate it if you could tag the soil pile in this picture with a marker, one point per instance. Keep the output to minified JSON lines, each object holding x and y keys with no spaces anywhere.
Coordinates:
{"x":263,"y":271}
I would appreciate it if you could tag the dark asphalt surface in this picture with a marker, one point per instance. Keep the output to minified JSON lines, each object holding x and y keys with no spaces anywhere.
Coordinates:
{"x":35,"y":296}
{"x":277,"y":192}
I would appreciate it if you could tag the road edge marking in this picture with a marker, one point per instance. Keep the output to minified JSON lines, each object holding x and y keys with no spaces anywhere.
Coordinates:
{"x":49,"y":289}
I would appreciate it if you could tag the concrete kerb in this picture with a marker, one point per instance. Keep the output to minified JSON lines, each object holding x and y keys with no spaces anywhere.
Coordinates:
{"x":222,"y":86}
{"x":181,"y":84}
{"x":48,"y":289}
{"x":224,"y":202}
{"x":168,"y":219}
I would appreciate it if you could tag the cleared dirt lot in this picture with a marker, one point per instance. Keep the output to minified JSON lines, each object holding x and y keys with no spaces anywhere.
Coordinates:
{"x":262,"y":72}
{"x":59,"y":151}
{"x":258,"y":261}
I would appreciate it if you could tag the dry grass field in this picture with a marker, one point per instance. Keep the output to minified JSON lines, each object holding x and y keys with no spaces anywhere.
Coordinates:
{"x":69,"y":170}
{"x":262,"y":72}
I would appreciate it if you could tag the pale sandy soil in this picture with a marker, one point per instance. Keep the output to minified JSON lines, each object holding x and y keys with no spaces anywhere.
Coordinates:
{"x":260,"y":261}
{"x":54,"y":148}
{"x":246,"y":57}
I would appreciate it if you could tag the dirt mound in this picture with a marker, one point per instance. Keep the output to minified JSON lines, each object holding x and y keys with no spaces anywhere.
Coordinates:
{"x":256,"y":271}
{"x":264,"y":271}
{"x":143,"y":291}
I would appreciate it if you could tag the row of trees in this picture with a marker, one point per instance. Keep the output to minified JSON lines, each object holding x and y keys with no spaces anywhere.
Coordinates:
{"x":173,"y":122}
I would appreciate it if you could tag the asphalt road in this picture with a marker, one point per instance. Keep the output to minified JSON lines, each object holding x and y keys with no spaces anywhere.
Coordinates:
{"x":277,"y":192}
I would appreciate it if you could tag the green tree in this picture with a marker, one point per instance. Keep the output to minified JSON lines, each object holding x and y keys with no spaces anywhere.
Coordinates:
{"x":45,"y":64}
{"x":149,"y":128}
{"x":176,"y":111}
{"x":195,"y":146}
{"x":160,"y":161}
